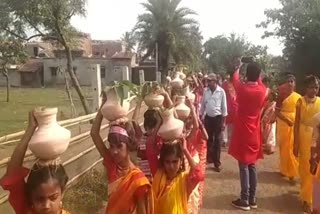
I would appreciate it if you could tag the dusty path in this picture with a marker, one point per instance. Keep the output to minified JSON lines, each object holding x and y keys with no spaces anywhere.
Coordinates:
{"x":275,"y":195}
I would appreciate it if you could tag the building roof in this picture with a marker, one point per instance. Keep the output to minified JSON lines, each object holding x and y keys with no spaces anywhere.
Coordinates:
{"x":32,"y":65}
{"x":123,"y":55}
{"x":106,"y":48}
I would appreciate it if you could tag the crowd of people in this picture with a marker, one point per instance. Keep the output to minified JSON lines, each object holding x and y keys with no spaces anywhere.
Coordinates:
{"x":241,"y":113}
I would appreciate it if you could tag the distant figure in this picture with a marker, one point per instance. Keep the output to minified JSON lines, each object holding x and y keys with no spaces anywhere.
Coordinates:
{"x":214,"y":110}
{"x":268,"y":120}
{"x":232,"y":107}
{"x":245,"y":144}
{"x":307,"y":107}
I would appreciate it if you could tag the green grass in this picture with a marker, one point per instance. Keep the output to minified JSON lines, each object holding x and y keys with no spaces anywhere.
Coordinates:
{"x":88,"y":195}
{"x":14,"y":115}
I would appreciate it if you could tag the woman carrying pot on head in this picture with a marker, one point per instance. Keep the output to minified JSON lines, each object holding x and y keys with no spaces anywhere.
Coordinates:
{"x":129,"y":189}
{"x":172,"y":185}
{"x":43,"y":191}
{"x":149,"y":143}
{"x":307,"y":107}
{"x":197,"y":146}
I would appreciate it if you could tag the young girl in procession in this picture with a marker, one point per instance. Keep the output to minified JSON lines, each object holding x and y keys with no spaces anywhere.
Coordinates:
{"x":129,"y":189}
{"x":46,"y":182}
{"x":172,"y":185}
{"x":149,"y":143}
{"x":307,"y":107}
{"x":196,"y":137}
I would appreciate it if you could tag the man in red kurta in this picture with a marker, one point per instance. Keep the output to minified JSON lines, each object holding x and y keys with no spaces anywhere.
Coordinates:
{"x":246,"y":145}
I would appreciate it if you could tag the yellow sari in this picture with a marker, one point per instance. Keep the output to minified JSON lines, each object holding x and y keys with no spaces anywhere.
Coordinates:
{"x":170,"y":197}
{"x":122,"y":198}
{"x":307,"y":112}
{"x":285,"y":137}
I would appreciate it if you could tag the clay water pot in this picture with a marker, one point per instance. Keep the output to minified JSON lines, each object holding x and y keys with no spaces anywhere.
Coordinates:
{"x":177,"y":82}
{"x":190,"y":95}
{"x":171,"y":127}
{"x":112,"y":109}
{"x":183,"y":111}
{"x":154,"y":100}
{"x":49,"y":140}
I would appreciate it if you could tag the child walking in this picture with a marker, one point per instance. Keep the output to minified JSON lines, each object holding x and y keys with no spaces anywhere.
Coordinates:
{"x":129,"y":189}
{"x":43,"y":191}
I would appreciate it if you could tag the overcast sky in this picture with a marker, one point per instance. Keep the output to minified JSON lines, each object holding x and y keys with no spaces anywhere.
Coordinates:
{"x":109,"y":19}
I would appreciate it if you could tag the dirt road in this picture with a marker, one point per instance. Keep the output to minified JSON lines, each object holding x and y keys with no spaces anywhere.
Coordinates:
{"x":275,"y":194}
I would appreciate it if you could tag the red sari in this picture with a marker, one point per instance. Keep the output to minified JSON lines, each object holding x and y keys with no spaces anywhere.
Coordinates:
{"x":246,"y":142}
{"x":231,"y":100}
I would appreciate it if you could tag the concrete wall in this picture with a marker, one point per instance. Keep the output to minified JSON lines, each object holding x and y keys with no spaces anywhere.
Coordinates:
{"x":83,"y":70}
{"x":14,"y":78}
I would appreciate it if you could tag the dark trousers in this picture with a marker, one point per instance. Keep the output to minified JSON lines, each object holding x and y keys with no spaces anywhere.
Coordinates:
{"x":248,"y":180}
{"x":213,"y":126}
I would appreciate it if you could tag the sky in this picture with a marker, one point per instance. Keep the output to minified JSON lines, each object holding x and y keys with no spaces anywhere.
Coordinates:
{"x":109,"y":19}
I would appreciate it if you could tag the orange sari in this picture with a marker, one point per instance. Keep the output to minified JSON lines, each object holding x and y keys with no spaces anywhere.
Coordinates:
{"x":122,"y":193}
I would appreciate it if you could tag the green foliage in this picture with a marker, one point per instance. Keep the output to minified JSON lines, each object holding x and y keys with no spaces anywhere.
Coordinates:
{"x":140,"y":91}
{"x":297,"y":22}
{"x":168,"y":25}
{"x":41,"y":18}
{"x":223,"y":53}
{"x":130,"y":41}
{"x":12,"y":52}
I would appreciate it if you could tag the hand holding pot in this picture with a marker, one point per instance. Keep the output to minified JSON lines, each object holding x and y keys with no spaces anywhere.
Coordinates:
{"x":188,"y":102}
{"x":32,"y":122}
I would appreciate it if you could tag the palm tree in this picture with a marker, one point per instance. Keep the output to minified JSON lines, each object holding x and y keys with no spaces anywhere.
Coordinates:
{"x":166,"y":24}
{"x":129,"y":40}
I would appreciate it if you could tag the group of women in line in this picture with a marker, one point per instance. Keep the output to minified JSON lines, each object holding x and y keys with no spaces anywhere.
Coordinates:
{"x":167,"y":177}
{"x":296,"y":119}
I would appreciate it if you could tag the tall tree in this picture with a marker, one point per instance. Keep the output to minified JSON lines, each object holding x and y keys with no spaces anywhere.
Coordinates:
{"x":11,"y":53}
{"x":164,"y":23}
{"x":129,"y":40}
{"x":223,"y":52}
{"x":188,"y":51}
{"x":49,"y":20}
{"x":297,"y":23}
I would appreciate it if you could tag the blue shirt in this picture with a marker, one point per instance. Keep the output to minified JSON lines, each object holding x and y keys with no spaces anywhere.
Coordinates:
{"x":214,"y":103}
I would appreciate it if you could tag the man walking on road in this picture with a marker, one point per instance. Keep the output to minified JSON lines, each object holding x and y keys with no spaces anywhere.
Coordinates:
{"x":246,"y":145}
{"x":214,"y":110}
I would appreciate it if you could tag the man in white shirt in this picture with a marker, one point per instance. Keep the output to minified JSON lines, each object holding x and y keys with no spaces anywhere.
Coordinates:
{"x":214,"y":111}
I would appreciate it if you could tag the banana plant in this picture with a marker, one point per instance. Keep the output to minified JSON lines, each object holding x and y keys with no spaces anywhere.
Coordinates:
{"x":118,"y":88}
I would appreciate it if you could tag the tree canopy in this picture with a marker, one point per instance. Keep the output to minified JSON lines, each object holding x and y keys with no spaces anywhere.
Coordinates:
{"x":169,"y":26}
{"x":297,"y":22}
{"x":222,"y":53}
{"x":49,"y":20}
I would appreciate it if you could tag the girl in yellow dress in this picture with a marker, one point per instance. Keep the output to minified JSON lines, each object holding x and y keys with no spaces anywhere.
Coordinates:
{"x":286,"y":113}
{"x":172,"y":185}
{"x":307,"y":107}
